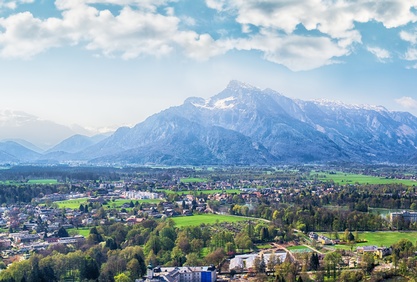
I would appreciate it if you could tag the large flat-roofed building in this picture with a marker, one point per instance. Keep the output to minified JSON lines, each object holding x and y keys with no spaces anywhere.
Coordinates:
{"x":406,"y":215}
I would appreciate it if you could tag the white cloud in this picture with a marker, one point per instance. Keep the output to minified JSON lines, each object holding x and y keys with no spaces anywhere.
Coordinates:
{"x":381,"y":54}
{"x":131,"y":33}
{"x":298,"y":53}
{"x":411,"y":54}
{"x":201,"y":46}
{"x":12,"y":4}
{"x":216,"y":4}
{"x":409,"y":37}
{"x":267,"y":26}
{"x":334,"y":18}
{"x":25,"y":36}
{"x":407,"y":102}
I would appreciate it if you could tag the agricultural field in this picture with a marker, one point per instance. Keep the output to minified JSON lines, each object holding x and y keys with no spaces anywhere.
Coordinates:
{"x":195,"y":220}
{"x":346,"y":178}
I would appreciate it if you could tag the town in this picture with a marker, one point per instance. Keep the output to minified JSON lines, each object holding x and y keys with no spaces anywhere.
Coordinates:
{"x":207,"y":224}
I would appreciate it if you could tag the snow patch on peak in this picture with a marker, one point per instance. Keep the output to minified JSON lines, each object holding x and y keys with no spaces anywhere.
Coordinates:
{"x":221,"y":104}
{"x":339,"y":104}
{"x":224,"y":103}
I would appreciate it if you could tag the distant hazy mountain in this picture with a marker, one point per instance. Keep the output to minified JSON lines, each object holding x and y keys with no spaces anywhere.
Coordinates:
{"x":77,"y":143}
{"x":13,"y":152}
{"x":42,"y":133}
{"x":26,"y":144}
{"x":244,"y":125}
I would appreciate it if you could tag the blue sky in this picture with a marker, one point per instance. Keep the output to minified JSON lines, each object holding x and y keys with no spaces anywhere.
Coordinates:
{"x":107,"y":63}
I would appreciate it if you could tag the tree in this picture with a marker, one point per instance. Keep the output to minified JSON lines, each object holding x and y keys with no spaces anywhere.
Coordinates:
{"x":332,"y":261}
{"x":193,"y":259}
{"x":368,"y":262}
{"x":216,"y":257}
{"x":62,"y":232}
{"x":89,"y":269}
{"x":177,"y":256}
{"x":351,"y":238}
{"x":314,"y":261}
{"x":272,"y":262}
{"x":243,"y":241}
{"x":134,"y":269}
{"x":122,"y":277}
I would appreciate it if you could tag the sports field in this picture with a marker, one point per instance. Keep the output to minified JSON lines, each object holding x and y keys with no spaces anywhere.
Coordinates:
{"x":346,"y":178}
{"x":194,"y":220}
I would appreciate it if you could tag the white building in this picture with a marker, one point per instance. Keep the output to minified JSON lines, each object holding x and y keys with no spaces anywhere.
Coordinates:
{"x":247,"y":261}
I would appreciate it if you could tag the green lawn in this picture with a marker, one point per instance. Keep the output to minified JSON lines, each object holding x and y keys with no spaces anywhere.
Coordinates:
{"x":264,"y":246}
{"x":43,"y":181}
{"x":194,"y":220}
{"x":71,"y":204}
{"x":346,"y":178}
{"x":193,"y":180}
{"x":386,"y":238}
{"x":31,"y":181}
{"x":85,"y":231}
{"x":299,"y":249}
{"x":381,"y":238}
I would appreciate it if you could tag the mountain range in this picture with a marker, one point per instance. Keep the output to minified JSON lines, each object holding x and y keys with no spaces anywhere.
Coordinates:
{"x":243,"y":125}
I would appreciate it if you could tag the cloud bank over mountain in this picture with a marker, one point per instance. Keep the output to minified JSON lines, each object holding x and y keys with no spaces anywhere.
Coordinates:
{"x":300,"y":35}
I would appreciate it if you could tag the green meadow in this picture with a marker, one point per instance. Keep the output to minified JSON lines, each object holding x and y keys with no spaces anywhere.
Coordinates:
{"x":299,"y":249}
{"x":43,"y":181}
{"x":197,"y":219}
{"x":193,"y":180}
{"x":84,"y":231}
{"x":31,"y":181}
{"x":346,"y":178}
{"x":380,"y":238}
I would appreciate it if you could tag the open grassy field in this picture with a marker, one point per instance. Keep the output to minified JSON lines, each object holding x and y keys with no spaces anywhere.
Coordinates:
{"x":31,"y":181}
{"x":43,"y":181}
{"x":299,"y":249}
{"x":381,"y":238}
{"x":346,"y":178}
{"x":386,"y":238}
{"x":193,"y":180}
{"x":194,"y":220}
{"x":71,"y":204}
{"x":84,"y":231}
